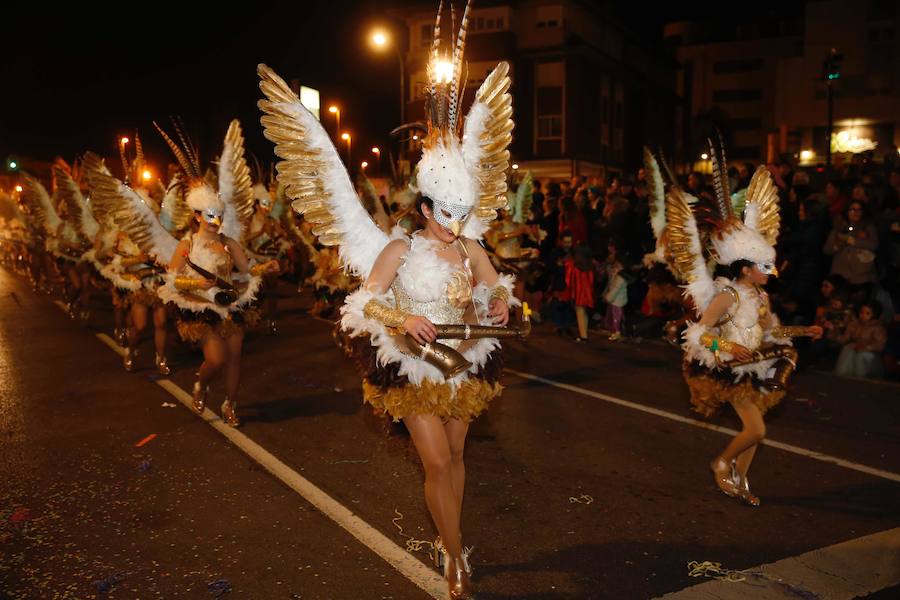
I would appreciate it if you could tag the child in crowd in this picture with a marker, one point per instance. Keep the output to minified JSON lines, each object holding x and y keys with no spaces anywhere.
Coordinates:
{"x":616,"y":292}
{"x":581,"y":273}
{"x":864,"y":340}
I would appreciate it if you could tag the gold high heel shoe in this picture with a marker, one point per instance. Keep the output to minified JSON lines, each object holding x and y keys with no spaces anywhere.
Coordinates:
{"x":744,"y":493}
{"x":128,"y":359}
{"x":458,"y":584}
{"x":228,"y":414}
{"x":162,"y":365}
{"x":439,"y":553}
{"x":724,"y":477}
{"x":199,"y":396}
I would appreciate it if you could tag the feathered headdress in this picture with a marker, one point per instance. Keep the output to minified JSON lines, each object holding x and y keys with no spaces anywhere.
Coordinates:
{"x":464,"y":175}
{"x":230,"y":192}
{"x":725,"y":235}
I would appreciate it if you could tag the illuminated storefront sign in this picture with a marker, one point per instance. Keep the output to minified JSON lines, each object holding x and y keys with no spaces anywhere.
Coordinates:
{"x":845,"y":141}
{"x":309,"y":97}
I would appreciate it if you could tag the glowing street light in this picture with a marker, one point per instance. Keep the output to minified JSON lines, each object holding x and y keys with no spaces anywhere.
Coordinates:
{"x":346,"y":137}
{"x":415,"y":138}
{"x":124,"y":140}
{"x":13,"y":164}
{"x":379,"y":38}
{"x":381,"y":41}
{"x":333,"y":109}
{"x":147,"y":175}
{"x":704,"y":156}
{"x":806,"y":155}
{"x":364,"y":164}
{"x":515,"y":166}
{"x":19,"y":188}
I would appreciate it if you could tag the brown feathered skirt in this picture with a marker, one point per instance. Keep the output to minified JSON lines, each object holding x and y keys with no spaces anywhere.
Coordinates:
{"x":710,"y":389}
{"x":193,"y":326}
{"x":390,"y":393}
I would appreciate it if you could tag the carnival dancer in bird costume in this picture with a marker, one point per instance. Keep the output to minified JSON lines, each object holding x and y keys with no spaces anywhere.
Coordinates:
{"x":426,"y":320}
{"x":737,"y":352}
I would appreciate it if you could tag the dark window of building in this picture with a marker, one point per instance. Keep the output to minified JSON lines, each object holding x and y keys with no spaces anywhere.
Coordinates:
{"x":549,"y":120}
{"x":479,"y":23}
{"x":739,"y":95}
{"x":490,"y":24}
{"x":500,"y":22}
{"x":426,"y":33}
{"x":748,"y":124}
{"x":738,"y":66}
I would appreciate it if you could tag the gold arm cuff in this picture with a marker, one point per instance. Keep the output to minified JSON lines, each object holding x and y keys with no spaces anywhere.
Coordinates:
{"x":788,"y":331}
{"x":384,"y":314}
{"x":716,"y":344}
{"x":189,"y":283}
{"x":133,"y":260}
{"x":500,"y":293}
{"x":260,"y":269}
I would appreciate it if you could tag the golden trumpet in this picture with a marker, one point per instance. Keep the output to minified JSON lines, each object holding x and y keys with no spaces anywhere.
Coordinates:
{"x":450,"y":361}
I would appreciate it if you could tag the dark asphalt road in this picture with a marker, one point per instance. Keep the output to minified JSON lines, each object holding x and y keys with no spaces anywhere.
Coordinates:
{"x":81,"y":504}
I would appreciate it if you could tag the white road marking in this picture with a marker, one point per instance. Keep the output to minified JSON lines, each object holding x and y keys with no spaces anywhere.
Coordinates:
{"x":704,"y":425}
{"x":840,"y":572}
{"x":404,"y":562}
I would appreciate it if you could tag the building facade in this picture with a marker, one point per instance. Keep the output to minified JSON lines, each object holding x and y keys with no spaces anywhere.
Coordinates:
{"x":587,"y":95}
{"x":761,"y":83}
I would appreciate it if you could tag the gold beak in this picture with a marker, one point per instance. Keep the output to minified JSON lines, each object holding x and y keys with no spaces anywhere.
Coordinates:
{"x":774,"y":271}
{"x":217,"y":222}
{"x":455,"y":227}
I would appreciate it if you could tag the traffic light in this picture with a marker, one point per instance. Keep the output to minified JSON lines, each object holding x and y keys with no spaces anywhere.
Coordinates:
{"x":831,"y":68}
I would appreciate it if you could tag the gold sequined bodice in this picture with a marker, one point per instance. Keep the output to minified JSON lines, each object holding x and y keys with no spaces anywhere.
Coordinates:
{"x":743,"y":322}
{"x":448,"y":293}
{"x":213,"y":256}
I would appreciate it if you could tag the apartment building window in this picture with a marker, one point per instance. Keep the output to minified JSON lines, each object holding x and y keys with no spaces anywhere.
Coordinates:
{"x":737,"y":66}
{"x":426,"y":33}
{"x":737,"y":95}
{"x":487,"y":20}
{"x":549,"y":109}
{"x":548,"y":17}
{"x":549,"y":120}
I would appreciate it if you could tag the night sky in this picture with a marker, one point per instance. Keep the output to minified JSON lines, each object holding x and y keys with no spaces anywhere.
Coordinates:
{"x":76,"y":78}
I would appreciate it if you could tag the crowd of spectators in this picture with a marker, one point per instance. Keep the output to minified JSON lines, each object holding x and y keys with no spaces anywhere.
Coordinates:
{"x":838,"y":254}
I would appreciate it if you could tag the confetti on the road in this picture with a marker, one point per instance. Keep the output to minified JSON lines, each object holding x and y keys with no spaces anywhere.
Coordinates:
{"x":146,"y":440}
{"x":412,"y":544}
{"x":104,"y":586}
{"x":21,"y":515}
{"x":219,"y":588}
{"x":582,"y":499}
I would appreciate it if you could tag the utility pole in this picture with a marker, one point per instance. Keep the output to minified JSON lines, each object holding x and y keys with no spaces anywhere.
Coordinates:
{"x":831,"y":72}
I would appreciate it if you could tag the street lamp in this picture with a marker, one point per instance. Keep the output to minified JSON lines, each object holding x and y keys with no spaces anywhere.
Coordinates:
{"x":19,"y":188}
{"x":123,"y":141}
{"x":147,"y":175}
{"x":377,"y":152}
{"x":704,"y":156}
{"x":364,"y":164}
{"x":337,"y":115}
{"x":346,"y":137}
{"x":380,"y":41}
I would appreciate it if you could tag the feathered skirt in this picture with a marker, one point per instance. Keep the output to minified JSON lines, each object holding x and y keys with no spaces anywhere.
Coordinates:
{"x":390,"y":393}
{"x":711,"y":388}
{"x":193,"y":326}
